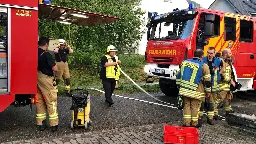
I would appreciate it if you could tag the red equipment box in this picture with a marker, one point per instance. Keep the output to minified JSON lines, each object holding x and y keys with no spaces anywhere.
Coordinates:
{"x":180,"y":135}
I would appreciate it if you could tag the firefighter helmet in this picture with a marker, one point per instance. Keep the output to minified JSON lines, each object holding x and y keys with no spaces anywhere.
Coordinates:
{"x":61,"y":41}
{"x":111,"y":48}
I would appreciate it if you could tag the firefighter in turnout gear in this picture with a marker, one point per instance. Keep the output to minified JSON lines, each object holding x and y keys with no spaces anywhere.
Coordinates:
{"x":215,"y":64}
{"x":110,"y":72}
{"x":61,"y":56}
{"x":226,"y":80}
{"x":47,"y":92}
{"x":193,"y":81}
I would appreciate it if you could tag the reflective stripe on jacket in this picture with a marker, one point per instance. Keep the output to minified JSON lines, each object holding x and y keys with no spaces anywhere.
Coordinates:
{"x":189,"y":77}
{"x":110,"y":70}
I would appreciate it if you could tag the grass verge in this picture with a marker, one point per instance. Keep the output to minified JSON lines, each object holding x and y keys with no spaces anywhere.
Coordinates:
{"x":132,"y":65}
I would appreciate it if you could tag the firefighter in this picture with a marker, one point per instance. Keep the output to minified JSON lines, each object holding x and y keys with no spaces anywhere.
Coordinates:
{"x":194,"y":83}
{"x":61,"y":56}
{"x":226,"y":80}
{"x":109,"y":73}
{"x":215,"y":64}
{"x":47,"y":92}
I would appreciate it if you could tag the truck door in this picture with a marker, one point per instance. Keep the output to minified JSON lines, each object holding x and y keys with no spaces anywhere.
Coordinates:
{"x":246,"y":49}
{"x":231,"y":29}
{"x":209,"y":35}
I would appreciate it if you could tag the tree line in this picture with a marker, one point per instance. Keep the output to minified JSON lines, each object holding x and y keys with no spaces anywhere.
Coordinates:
{"x":90,"y":43}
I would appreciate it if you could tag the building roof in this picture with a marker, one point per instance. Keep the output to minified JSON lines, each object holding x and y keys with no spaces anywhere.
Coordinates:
{"x":243,"y":7}
{"x":73,"y":16}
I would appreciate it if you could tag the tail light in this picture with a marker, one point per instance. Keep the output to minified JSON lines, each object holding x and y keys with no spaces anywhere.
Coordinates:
{"x":32,"y":100}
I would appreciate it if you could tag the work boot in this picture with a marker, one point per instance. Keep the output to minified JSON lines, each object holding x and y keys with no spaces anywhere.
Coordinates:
{"x":217,"y":117}
{"x":200,"y":122}
{"x":109,"y":103}
{"x":186,"y":125}
{"x":198,"y":126}
{"x":229,"y":112}
{"x":54,"y":128}
{"x":43,"y":126}
{"x":210,"y":121}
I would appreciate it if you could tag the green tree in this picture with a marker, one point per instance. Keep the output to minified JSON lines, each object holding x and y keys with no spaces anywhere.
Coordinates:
{"x":90,"y":42}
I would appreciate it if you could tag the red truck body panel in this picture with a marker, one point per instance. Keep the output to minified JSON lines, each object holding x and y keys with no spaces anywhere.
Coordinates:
{"x":165,"y":52}
{"x":29,"y":3}
{"x":22,"y":43}
{"x":24,"y":53}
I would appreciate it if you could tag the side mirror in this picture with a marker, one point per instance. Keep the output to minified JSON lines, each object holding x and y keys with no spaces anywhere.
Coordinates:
{"x":203,"y":41}
{"x":200,"y":40}
{"x":209,"y":29}
{"x":148,"y":34}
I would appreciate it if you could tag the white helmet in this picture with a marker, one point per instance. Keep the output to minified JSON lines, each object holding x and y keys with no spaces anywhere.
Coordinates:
{"x":111,"y":48}
{"x":61,"y":41}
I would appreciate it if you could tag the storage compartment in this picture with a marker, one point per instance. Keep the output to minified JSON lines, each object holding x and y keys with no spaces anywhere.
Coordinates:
{"x":246,"y":60}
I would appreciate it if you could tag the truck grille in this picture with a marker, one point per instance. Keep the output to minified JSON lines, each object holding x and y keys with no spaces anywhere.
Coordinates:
{"x":162,"y":59}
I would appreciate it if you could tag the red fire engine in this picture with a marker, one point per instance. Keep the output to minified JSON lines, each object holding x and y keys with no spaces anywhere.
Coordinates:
{"x":174,"y":36}
{"x":18,"y":44}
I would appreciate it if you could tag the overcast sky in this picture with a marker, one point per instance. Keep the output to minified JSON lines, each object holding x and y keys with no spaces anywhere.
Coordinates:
{"x":204,"y":3}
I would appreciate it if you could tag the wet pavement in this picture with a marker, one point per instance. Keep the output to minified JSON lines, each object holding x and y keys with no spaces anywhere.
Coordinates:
{"x":143,"y":120}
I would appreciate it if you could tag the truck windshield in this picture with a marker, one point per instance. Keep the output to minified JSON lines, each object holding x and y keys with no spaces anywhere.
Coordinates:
{"x":173,"y":29}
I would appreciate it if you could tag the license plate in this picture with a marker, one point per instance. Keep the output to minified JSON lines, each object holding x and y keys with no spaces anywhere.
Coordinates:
{"x":160,"y":71}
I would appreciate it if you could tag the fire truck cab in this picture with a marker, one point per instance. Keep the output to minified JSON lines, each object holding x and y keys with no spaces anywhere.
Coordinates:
{"x":19,"y":48}
{"x":174,"y":36}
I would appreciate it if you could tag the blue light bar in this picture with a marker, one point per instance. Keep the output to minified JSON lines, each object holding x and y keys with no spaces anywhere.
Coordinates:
{"x":191,"y":6}
{"x":159,"y":17}
{"x":153,"y":15}
{"x":47,"y":1}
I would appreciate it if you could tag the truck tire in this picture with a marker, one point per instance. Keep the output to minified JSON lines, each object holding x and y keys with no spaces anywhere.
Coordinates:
{"x":168,"y":87}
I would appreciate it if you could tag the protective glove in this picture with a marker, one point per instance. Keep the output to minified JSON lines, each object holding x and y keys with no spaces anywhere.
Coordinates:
{"x":222,"y":77}
{"x":54,"y":83}
{"x":56,"y":50}
{"x":207,"y":95}
{"x":180,"y":102}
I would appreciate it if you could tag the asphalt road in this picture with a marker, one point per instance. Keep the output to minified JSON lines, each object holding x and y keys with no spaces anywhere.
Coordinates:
{"x":19,"y":123}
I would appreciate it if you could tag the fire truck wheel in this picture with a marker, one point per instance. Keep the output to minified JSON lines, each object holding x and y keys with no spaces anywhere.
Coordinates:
{"x":168,"y":87}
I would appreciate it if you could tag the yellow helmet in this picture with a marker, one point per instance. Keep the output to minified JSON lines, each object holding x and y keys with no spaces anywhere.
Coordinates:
{"x":111,"y":48}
